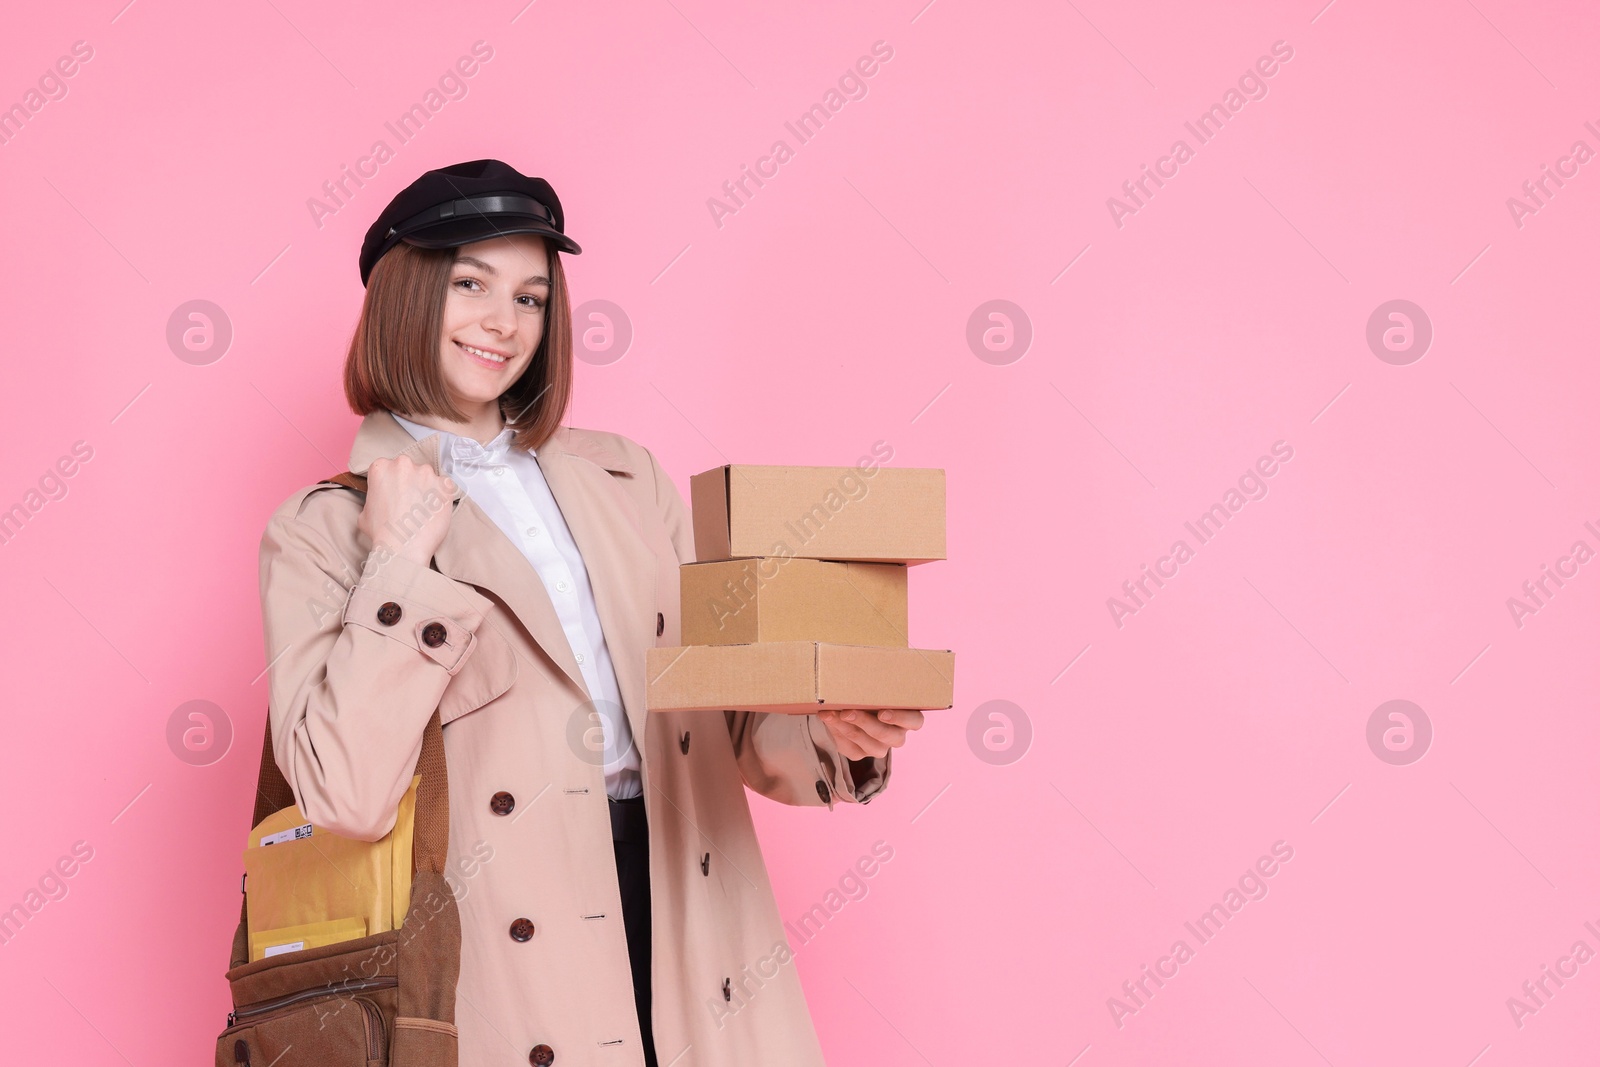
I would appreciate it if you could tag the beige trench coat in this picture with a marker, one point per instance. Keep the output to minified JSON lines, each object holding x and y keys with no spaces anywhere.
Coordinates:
{"x":350,"y":697}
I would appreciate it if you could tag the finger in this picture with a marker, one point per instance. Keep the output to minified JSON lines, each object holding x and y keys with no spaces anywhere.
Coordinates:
{"x":850,"y":750}
{"x":904,"y":718}
{"x":847,"y":748}
{"x":869,"y":723}
{"x":861,"y":744}
{"x":863,"y":741}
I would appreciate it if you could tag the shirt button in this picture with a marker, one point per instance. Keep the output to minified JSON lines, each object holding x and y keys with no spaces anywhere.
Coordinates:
{"x":502,"y":803}
{"x":580,"y":657}
{"x":561,"y":587}
{"x":521,"y":929}
{"x":499,"y":471}
{"x":433,"y":634}
{"x":389,"y":614}
{"x":533,"y":531}
{"x":542,"y":1056}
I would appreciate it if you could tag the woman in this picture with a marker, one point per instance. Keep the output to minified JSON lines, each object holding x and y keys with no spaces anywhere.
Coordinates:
{"x":510,"y":572}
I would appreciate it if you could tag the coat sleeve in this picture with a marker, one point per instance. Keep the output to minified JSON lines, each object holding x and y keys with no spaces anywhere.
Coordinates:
{"x":792,"y":759}
{"x":353,"y":678}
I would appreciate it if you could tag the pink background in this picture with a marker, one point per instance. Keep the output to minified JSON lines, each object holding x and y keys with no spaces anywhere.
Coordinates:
{"x":831,"y":312}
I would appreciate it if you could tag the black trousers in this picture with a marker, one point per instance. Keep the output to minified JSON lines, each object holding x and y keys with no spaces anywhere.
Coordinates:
{"x":630,"y":840}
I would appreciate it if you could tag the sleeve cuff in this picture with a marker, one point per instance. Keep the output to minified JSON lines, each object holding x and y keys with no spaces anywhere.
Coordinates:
{"x":849,"y":781}
{"x":418,"y":607}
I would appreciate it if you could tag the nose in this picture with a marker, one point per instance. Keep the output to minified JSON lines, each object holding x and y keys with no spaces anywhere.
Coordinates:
{"x":499,"y":317}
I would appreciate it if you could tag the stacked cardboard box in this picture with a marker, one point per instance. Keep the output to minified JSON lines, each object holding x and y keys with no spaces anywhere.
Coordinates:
{"x":797,"y":599}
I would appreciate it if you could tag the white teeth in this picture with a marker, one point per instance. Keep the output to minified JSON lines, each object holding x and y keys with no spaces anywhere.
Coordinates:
{"x":482,"y":354}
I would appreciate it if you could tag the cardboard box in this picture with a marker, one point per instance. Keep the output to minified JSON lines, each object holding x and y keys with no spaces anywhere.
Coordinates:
{"x":797,"y":676}
{"x":881,"y":515}
{"x":770,"y":598}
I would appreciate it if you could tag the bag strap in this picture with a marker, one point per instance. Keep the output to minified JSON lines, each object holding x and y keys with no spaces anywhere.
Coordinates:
{"x":430,"y":840}
{"x":431,"y":837}
{"x":358,"y":482}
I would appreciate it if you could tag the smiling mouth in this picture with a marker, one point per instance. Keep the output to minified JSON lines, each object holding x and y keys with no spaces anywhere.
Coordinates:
{"x":483,"y":356}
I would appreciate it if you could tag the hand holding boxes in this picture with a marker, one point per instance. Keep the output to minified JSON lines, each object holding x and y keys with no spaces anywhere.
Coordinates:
{"x":797,"y":600}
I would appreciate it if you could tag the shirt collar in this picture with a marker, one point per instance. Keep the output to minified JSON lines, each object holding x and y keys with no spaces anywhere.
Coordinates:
{"x":380,"y":434}
{"x":457,"y":451}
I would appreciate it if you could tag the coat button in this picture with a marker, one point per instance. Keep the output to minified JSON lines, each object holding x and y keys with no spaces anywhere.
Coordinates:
{"x":822,"y":790}
{"x":683,"y":743}
{"x":727,"y":989}
{"x":502,"y":803}
{"x":433,"y":634}
{"x":661,"y":624}
{"x":241,"y":1052}
{"x":521,"y":929}
{"x":389,"y":614}
{"x":542,"y":1056}
{"x":705,"y":865}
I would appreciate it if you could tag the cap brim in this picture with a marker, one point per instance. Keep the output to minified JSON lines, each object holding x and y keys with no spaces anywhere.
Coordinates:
{"x":453,"y":233}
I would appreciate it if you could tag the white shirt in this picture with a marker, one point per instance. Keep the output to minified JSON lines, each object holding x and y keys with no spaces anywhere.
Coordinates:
{"x":510,"y":488}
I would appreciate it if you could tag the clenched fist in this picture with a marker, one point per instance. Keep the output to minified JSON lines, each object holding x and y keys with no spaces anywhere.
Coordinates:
{"x":408,"y":508}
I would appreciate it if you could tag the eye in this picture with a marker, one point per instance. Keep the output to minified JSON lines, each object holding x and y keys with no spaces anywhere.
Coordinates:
{"x":537,"y":301}
{"x":465,"y":281}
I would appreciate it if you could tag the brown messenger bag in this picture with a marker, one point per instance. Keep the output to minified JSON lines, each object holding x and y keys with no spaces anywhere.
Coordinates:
{"x":384,"y":1000}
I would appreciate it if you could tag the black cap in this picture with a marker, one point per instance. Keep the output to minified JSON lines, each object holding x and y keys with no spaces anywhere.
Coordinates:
{"x":463,"y":203}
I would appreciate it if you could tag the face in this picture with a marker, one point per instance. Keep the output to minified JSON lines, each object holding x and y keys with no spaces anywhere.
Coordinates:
{"x":494,"y":310}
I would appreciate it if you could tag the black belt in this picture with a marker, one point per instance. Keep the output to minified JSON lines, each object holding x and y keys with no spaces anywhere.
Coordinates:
{"x":627,"y":819}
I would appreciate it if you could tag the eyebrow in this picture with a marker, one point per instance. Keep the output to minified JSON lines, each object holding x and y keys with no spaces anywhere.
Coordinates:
{"x":532,"y":279}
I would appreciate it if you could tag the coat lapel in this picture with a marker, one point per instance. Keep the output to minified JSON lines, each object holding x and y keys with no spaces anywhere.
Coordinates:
{"x":618,"y":558}
{"x":621,"y":565}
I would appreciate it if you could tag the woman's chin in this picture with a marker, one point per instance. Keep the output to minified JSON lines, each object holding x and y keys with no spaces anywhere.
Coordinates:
{"x":478,"y":393}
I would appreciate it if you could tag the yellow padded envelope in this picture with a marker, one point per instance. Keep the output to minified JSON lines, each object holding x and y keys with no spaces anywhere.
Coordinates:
{"x":306,"y":886}
{"x":265,"y":943}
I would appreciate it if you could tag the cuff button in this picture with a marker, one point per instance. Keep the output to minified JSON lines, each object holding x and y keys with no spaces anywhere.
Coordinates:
{"x":433,"y":634}
{"x":389,"y":614}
